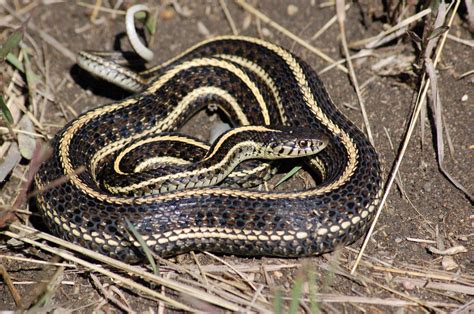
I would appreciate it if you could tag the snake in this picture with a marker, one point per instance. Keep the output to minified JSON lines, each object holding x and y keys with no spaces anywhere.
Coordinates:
{"x":230,"y":150}
{"x":255,"y":84}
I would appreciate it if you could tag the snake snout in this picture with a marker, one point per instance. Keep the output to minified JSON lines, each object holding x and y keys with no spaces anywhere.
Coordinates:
{"x":293,"y":142}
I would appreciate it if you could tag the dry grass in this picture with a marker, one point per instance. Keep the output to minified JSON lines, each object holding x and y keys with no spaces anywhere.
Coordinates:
{"x":205,"y":282}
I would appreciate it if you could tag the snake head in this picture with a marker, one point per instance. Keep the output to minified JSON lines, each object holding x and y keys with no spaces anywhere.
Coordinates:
{"x":292,"y":142}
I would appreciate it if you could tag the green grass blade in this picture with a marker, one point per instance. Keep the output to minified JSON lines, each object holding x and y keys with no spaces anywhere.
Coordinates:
{"x":13,"y":60}
{"x":296,"y":294}
{"x":312,"y":292}
{"x":144,"y":246}
{"x":11,"y":43}
{"x":290,"y":173}
{"x":5,"y":111}
{"x":278,"y":302}
{"x":149,"y":20}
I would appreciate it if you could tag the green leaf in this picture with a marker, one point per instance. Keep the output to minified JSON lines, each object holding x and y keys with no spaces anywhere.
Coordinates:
{"x":13,"y":60}
{"x":11,"y":43}
{"x":291,"y":173}
{"x":5,"y":111}
{"x":149,"y":20}
{"x":144,"y":246}
{"x":31,"y":77}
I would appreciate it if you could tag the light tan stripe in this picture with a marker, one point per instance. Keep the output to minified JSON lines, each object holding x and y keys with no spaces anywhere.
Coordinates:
{"x":260,"y":72}
{"x":298,"y":74}
{"x":167,"y":122}
{"x":179,"y":176}
{"x":160,"y":160}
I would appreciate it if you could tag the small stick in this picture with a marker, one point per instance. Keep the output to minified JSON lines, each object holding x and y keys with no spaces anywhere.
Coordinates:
{"x":234,"y":269}
{"x":416,"y":111}
{"x":95,"y":11}
{"x":6,"y":278}
{"x":341,"y":16}
{"x":229,"y":18}
{"x":289,"y":34}
{"x":328,"y":24}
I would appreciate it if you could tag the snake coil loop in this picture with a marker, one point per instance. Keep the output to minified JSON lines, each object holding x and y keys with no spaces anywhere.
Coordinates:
{"x":254,"y":83}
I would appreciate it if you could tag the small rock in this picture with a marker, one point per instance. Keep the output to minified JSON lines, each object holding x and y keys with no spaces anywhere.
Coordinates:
{"x":465,"y":97}
{"x":202,"y":29}
{"x":167,"y":14}
{"x":398,"y":240}
{"x":292,"y":9}
{"x":448,"y":263}
{"x":408,"y":285}
{"x":427,"y":187}
{"x":246,"y":22}
{"x":266,"y":32}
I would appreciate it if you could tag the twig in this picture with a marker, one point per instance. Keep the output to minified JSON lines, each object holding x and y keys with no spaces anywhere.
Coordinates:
{"x":101,"y":9}
{"x":466,"y":42}
{"x":203,"y":273}
{"x":127,"y":268}
{"x":109,"y":296}
{"x":373,"y":40}
{"x":328,"y":24}
{"x":122,"y":280}
{"x":289,"y":34}
{"x":350,"y":299}
{"x":229,"y":18}
{"x":29,"y":260}
{"x":234,"y":269}
{"x":95,"y":11}
{"x":412,"y":123}
{"x":45,"y":36}
{"x":341,"y":17}
{"x":6,"y":278}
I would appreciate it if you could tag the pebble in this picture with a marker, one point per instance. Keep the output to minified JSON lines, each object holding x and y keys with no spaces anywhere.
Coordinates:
{"x":427,"y":187}
{"x":266,"y":32}
{"x":292,"y":9}
{"x":202,"y":29}
{"x":408,"y":285}
{"x":448,"y":263}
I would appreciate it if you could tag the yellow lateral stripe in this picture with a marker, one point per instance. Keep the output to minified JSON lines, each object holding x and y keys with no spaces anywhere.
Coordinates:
{"x":168,"y":121}
{"x":352,"y":152}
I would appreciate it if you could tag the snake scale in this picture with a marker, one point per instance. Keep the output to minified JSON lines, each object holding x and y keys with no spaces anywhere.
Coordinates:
{"x":254,"y":83}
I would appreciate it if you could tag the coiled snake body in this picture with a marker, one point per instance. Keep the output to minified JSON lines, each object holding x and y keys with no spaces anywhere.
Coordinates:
{"x":254,"y":83}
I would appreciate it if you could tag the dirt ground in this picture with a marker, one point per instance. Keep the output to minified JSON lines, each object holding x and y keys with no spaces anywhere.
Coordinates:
{"x":397,"y":263}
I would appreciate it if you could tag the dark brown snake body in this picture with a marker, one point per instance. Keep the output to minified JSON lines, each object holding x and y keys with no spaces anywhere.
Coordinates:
{"x":273,"y":87}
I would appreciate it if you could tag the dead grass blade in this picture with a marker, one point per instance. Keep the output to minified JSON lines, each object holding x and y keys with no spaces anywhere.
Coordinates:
{"x":122,"y":280}
{"x":247,"y":7}
{"x":7,"y":280}
{"x":438,"y":122}
{"x":228,"y":16}
{"x":177,"y":286}
{"x":412,"y":123}
{"x":341,"y":16}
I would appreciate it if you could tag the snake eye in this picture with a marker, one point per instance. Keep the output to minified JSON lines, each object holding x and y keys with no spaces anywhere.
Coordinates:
{"x":303,"y":143}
